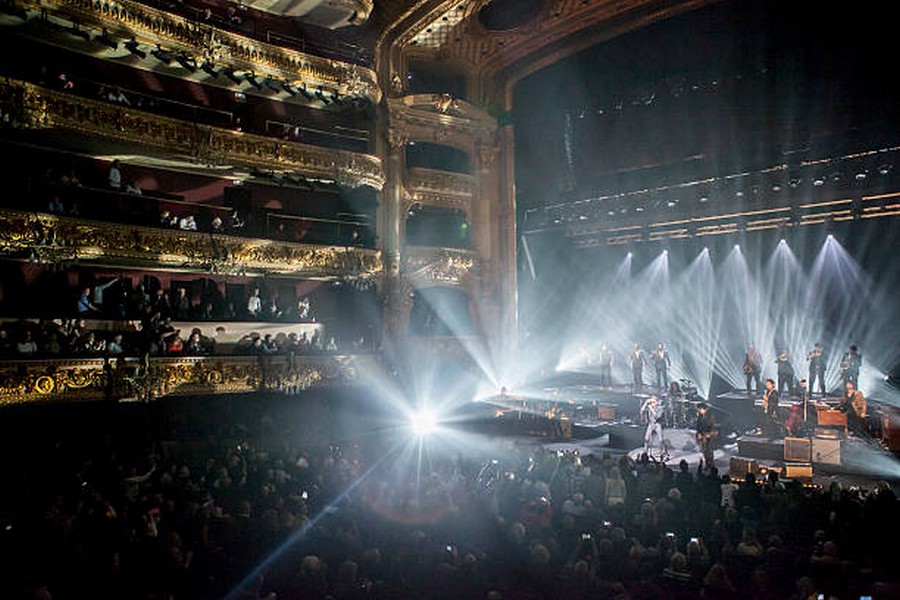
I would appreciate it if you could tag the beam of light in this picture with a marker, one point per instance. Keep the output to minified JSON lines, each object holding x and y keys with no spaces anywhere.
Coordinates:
{"x":423,"y":422}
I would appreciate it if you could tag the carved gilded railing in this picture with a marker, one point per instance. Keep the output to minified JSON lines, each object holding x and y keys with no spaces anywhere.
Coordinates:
{"x":423,"y":266}
{"x":439,"y":188}
{"x":442,"y":115}
{"x":150,"y":26}
{"x":55,"y":240}
{"x":43,"y":108}
{"x":32,"y":381}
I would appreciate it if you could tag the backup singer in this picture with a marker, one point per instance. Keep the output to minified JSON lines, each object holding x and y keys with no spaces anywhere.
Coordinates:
{"x":851,"y":363}
{"x":652,"y":411}
{"x":661,"y":362}
{"x":816,"y":360}
{"x":605,"y":360}
{"x":785,"y":372}
{"x":771,"y":398}
{"x":706,"y":434}
{"x":752,"y":367}
{"x":637,"y":367}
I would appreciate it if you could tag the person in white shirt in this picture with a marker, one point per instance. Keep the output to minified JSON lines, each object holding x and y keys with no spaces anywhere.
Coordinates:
{"x":254,"y":304}
{"x":188,"y":223}
{"x":115,"y":176}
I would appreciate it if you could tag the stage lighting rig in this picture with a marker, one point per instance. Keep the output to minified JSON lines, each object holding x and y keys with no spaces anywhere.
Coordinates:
{"x":133,"y":47}
{"x":105,"y":39}
{"x":210,"y":69}
{"x":162,"y":55}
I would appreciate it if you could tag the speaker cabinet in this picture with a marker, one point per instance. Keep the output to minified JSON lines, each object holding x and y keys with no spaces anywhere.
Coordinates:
{"x":797,"y":450}
{"x":826,"y":451}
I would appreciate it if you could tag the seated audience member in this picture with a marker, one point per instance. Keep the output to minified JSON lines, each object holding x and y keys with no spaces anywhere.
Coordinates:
{"x":133,"y":189}
{"x":195,"y":346}
{"x":26,"y":347}
{"x":173,"y":344}
{"x":303,"y":308}
{"x":114,"y":347}
{"x":182,"y":305}
{"x":216,"y":225}
{"x":84,"y":305}
{"x":114,"y":177}
{"x":254,"y":304}
{"x":56,"y":207}
{"x":187,"y":223}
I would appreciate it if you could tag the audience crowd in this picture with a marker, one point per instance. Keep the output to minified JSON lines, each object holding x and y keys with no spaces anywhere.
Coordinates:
{"x":272,"y":506}
{"x":151,"y":330}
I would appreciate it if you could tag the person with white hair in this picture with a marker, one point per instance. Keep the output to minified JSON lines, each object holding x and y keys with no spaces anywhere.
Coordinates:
{"x":652,"y":411}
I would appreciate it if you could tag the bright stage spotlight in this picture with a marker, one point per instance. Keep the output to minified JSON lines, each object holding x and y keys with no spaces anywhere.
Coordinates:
{"x":423,"y":422}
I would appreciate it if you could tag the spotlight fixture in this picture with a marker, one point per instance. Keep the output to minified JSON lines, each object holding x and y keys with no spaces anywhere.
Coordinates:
{"x":162,"y":56}
{"x":320,"y":94}
{"x":230,"y":74}
{"x":795,"y":182}
{"x":251,"y":77}
{"x":884,"y":169}
{"x":78,"y":32}
{"x":270,"y":84}
{"x":861,"y":175}
{"x":305,"y":92}
{"x":210,"y":68}
{"x":105,"y":39}
{"x":819,"y":181}
{"x":188,"y":62}
{"x":132,"y":46}
{"x":288,"y":88}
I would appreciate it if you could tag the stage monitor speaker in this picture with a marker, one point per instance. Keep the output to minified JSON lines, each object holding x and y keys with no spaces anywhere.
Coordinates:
{"x":797,"y":450}
{"x":740,"y":466}
{"x":798,"y":471}
{"x":826,"y":451}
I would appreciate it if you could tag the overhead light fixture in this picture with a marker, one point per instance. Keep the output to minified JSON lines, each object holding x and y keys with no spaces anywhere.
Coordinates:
{"x":305,"y":92}
{"x":162,"y":56}
{"x":286,"y":86}
{"x":230,"y":74}
{"x":269,"y":83}
{"x":210,"y":68}
{"x":105,"y":39}
{"x":133,"y":47}
{"x":77,"y":31}
{"x":884,"y":169}
{"x":251,"y":78}
{"x":819,"y":181}
{"x":188,"y":62}
{"x":320,"y":94}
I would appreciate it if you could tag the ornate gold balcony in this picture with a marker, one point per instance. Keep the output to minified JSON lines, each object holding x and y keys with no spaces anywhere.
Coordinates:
{"x":60,"y":240}
{"x":439,"y":188}
{"x":35,"y":381}
{"x":149,"y":27}
{"x":38,"y":107}
{"x":425,"y":266}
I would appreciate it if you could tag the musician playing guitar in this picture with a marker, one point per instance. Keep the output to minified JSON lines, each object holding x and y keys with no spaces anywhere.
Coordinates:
{"x":770,"y":408}
{"x":706,"y":434}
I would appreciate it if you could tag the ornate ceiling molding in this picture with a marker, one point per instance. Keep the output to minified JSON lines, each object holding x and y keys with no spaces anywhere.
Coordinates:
{"x":425,"y":266}
{"x":60,"y":240}
{"x":41,"y":108}
{"x":149,"y":27}
{"x":57,"y":380}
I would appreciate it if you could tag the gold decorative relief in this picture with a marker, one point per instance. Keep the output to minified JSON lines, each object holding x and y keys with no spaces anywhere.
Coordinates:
{"x":43,"y":108}
{"x":133,"y":379}
{"x":150,"y":26}
{"x":426,"y":266}
{"x":52,"y":239}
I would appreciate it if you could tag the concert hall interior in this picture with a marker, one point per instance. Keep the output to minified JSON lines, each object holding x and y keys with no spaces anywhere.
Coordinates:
{"x":463,"y":299}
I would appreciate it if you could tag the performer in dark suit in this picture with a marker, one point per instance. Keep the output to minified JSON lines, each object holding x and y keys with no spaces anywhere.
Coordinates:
{"x":661,"y":362}
{"x":706,"y":433}
{"x":752,"y":367}
{"x":851,"y":363}
{"x":817,"y":361}
{"x":785,"y":372}
{"x":605,"y":360}
{"x":637,"y":367}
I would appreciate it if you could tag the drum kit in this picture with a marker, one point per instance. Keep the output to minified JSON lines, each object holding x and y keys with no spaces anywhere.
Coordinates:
{"x":680,"y":405}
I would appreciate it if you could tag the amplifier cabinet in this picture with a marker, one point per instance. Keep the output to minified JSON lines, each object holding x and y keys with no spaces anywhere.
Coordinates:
{"x":826,"y":451}
{"x":798,"y":450}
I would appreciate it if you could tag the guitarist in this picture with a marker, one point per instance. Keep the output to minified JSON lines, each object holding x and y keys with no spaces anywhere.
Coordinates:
{"x":770,"y":408}
{"x":706,"y":434}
